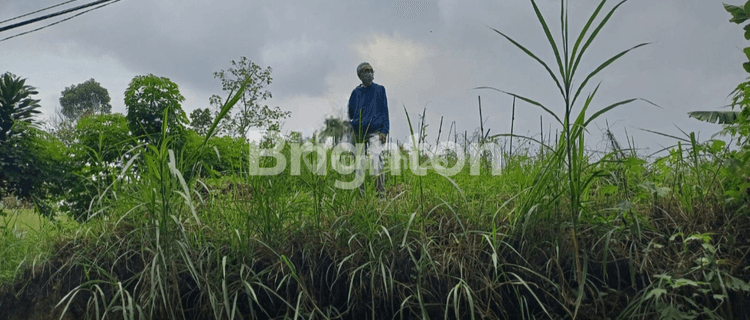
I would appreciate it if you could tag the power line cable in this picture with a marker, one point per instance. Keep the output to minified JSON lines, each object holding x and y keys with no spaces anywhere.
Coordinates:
{"x":23,"y":23}
{"x":40,"y":10}
{"x":63,"y":20}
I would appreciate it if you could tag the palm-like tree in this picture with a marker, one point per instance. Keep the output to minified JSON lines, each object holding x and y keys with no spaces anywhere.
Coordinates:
{"x":16,"y":103}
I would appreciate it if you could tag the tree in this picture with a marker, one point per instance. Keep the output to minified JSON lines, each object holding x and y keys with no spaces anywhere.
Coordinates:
{"x":251,"y":113}
{"x":201,"y":120}
{"x":147,"y":99}
{"x":16,"y":104}
{"x":16,"y":117}
{"x":32,"y":164}
{"x":28,"y":156}
{"x":335,"y":128}
{"x":85,"y":99}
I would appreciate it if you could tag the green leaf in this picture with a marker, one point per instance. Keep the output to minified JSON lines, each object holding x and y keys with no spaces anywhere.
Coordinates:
{"x":723,"y":117}
{"x":527,"y":100}
{"x":580,"y":119}
{"x":746,"y":65}
{"x":703,"y":237}
{"x":550,"y":39}
{"x":231,"y":101}
{"x":733,"y":10}
{"x":610,"y":107}
{"x":674,"y":236}
{"x":593,"y":36}
{"x":411,"y":128}
{"x":738,"y":13}
{"x":717,"y":145}
{"x":609,"y":190}
{"x":684,"y":282}
{"x":737,"y":284}
{"x":747,"y":52}
{"x":583,"y":33}
{"x":739,"y":19}
{"x":747,"y":31}
{"x":541,"y":143}
{"x":533,"y":56}
{"x":670,"y":312}
{"x":656,"y":293}
{"x":602,"y":67}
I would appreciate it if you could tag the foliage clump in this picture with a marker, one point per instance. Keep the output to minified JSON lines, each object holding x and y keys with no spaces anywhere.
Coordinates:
{"x":154,"y":105}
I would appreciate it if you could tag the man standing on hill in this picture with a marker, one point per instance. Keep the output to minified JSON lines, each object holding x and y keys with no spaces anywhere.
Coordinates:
{"x":368,"y":114}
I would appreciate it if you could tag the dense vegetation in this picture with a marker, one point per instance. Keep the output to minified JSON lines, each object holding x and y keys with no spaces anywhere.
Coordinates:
{"x":144,"y":220}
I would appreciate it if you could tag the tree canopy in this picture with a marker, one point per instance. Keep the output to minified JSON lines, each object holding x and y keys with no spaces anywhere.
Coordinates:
{"x":251,"y":113}
{"x":85,"y":99}
{"x":29,"y":157}
{"x":147,"y":99}
{"x":201,"y":120}
{"x":16,"y":103}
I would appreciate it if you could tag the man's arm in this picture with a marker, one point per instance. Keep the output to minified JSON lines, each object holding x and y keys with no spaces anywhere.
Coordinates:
{"x":352,"y":105}
{"x":386,"y":121}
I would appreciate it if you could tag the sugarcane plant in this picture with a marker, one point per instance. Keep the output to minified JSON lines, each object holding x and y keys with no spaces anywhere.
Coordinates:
{"x":569,"y":153}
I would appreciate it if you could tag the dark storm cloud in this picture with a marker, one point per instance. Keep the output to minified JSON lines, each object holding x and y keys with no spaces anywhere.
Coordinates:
{"x":436,"y":54}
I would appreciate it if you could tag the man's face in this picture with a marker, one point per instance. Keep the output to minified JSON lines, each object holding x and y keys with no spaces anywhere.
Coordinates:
{"x":367,"y":75}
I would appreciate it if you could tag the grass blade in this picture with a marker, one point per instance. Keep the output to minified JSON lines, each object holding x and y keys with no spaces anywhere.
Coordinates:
{"x":610,"y":107}
{"x":523,"y":137}
{"x":666,"y":135}
{"x":225,"y":109}
{"x":593,"y":36}
{"x":527,"y":100}
{"x":550,"y":39}
{"x":602,"y":66}
{"x":533,"y":56}
{"x":583,"y":33}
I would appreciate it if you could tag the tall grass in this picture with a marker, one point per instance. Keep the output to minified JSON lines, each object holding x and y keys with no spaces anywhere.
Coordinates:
{"x":294,"y":246}
{"x":25,"y":238}
{"x":569,"y":153}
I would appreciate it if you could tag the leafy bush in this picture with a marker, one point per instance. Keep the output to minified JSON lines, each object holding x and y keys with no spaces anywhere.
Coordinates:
{"x":226,"y":155}
{"x":101,"y":148}
{"x":32,"y":165}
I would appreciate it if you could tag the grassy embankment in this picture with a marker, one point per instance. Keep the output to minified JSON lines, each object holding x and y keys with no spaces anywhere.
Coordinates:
{"x":559,"y":234}
{"x":651,"y":237}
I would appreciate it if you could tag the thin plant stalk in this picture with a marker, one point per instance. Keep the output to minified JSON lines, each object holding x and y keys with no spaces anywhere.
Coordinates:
{"x":512,"y":122}
{"x":440,"y":130}
{"x":481,"y":120}
{"x":567,"y":62}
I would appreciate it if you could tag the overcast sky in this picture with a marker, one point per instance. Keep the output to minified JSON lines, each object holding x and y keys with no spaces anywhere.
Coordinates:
{"x":429,"y":53}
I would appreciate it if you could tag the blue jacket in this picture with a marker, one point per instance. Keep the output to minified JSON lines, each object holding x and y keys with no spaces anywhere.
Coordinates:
{"x":368,"y":109}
